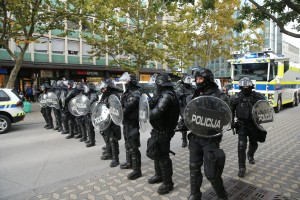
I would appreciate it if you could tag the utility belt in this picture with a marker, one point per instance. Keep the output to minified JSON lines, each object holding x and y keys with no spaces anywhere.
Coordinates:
{"x":245,"y":122}
{"x":163,"y":133}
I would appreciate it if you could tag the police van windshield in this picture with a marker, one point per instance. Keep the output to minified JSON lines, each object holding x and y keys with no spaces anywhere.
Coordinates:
{"x":255,"y":71}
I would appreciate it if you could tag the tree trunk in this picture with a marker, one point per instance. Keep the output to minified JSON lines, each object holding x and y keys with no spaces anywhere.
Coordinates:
{"x":15,"y":71}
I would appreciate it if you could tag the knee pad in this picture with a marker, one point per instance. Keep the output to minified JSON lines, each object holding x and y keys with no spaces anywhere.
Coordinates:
{"x":195,"y":166}
{"x":242,"y":145}
{"x":214,"y":161}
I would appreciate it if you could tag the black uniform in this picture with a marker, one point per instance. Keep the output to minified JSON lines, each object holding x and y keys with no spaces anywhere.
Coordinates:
{"x":63,"y":106}
{"x":89,"y":128}
{"x":130,"y":104}
{"x":241,"y":106}
{"x":57,"y":111}
{"x":46,"y":111}
{"x":206,"y":150}
{"x":112,"y":134}
{"x":164,"y":116}
{"x":184,"y":92}
{"x":67,"y":116}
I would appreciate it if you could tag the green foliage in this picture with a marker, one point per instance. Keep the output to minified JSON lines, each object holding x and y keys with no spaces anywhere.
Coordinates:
{"x":281,"y":12}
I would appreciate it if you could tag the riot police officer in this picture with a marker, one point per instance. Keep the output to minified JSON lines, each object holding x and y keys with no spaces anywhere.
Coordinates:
{"x":205,"y":150}
{"x":184,"y":91}
{"x":67,"y":116}
{"x":79,"y":120}
{"x":57,"y":113}
{"x":241,"y":106}
{"x":64,"y":106}
{"x":112,"y":134}
{"x":89,"y":128}
{"x":46,"y":111}
{"x":164,"y":115}
{"x":130,"y":104}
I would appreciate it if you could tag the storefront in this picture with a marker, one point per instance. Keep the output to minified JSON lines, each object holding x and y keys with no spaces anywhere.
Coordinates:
{"x":3,"y":77}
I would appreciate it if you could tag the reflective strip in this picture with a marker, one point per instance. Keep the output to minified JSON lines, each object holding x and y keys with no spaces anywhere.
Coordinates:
{"x":5,"y":106}
{"x":19,"y":114}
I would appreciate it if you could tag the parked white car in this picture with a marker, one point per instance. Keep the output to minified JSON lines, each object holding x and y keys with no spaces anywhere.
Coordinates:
{"x":11,"y":109}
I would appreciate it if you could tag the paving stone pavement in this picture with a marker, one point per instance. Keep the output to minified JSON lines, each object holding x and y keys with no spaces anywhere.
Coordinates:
{"x":277,"y":168}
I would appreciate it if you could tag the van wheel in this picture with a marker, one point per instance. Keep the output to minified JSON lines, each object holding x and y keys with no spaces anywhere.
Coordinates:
{"x":5,"y":124}
{"x":278,"y":107}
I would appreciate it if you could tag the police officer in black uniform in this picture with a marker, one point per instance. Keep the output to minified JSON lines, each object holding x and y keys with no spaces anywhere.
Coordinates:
{"x":206,"y":150}
{"x":130,"y":104}
{"x":67,"y":116}
{"x":89,"y":128}
{"x":241,"y":106}
{"x":46,"y":111}
{"x":64,"y":107}
{"x":164,"y":115}
{"x":112,"y":134}
{"x":57,"y":113}
{"x":79,"y":120}
{"x":184,"y":91}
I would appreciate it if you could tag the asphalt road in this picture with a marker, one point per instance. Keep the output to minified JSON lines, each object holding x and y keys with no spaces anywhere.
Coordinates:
{"x":33,"y":158}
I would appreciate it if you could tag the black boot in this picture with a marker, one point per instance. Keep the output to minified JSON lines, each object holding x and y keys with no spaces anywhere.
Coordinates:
{"x":79,"y":133}
{"x":136,"y":164}
{"x":218,"y":186}
{"x":128,"y":163}
{"x":250,"y":153}
{"x":71,"y":130}
{"x":91,"y":135}
{"x":242,"y":163}
{"x":196,"y":179}
{"x":184,"y":139}
{"x":84,"y":134}
{"x":115,"y":153}
{"x":65,"y":128}
{"x":167,"y":172}
{"x":157,"y":178}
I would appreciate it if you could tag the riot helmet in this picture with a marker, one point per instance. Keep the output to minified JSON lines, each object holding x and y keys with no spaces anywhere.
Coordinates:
{"x":130,"y":79}
{"x":163,"y":79}
{"x":246,"y":85}
{"x":109,"y":84}
{"x":186,"y":79}
{"x":79,"y":88}
{"x":59,"y":83}
{"x":71,"y":84}
{"x":45,"y":86}
{"x":207,"y":75}
{"x":91,"y":87}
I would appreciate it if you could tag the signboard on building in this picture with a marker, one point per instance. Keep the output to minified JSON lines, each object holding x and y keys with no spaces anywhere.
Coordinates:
{"x":87,"y":73}
{"x":46,"y":73}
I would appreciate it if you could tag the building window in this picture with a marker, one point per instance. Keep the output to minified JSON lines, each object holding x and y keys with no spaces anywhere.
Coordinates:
{"x":58,"y":46}
{"x":73,"y":47}
{"x":41,"y":45}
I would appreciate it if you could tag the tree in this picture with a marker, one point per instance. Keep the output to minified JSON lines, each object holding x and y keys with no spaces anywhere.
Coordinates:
{"x":129,"y":32}
{"x":208,"y":30}
{"x":281,"y":12}
{"x":25,"y":21}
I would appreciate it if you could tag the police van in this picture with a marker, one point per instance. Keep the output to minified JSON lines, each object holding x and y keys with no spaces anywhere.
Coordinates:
{"x":11,"y":109}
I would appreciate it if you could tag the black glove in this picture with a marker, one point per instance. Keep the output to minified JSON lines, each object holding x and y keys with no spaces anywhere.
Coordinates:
{"x":151,"y":104}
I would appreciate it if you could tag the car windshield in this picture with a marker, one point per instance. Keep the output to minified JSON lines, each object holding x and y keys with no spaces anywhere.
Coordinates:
{"x":255,"y":71}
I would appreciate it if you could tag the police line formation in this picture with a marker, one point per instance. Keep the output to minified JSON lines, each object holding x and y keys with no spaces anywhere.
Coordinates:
{"x":203,"y":109}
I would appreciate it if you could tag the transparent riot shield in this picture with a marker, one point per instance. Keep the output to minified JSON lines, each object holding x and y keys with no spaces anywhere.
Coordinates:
{"x":63,"y":95}
{"x":144,"y":113}
{"x":82,"y":104}
{"x":263,"y":115}
{"x":42,"y":100}
{"x":50,"y":99}
{"x":93,"y":106}
{"x":115,"y":109}
{"x":72,"y":106}
{"x":101,"y":117}
{"x":207,"y":116}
